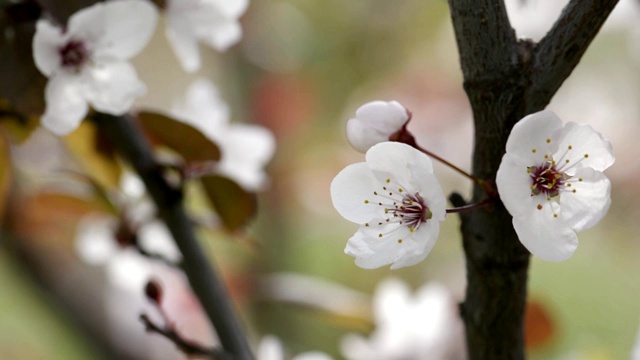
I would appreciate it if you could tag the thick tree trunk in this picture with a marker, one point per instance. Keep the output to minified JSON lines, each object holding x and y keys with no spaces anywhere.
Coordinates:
{"x":506,"y":79}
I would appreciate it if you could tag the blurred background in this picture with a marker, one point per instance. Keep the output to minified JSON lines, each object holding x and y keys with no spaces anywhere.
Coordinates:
{"x":301,"y":69}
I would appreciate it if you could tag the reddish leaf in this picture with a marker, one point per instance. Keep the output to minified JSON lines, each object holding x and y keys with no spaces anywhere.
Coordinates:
{"x":178,"y":136}
{"x":6,"y":174}
{"x":539,"y":327}
{"x":234,"y":205}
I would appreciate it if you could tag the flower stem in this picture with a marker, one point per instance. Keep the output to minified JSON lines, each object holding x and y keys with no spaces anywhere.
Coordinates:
{"x":199,"y":269}
{"x":484,"y":203}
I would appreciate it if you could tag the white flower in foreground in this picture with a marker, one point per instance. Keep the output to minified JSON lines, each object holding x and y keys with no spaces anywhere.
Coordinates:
{"x":551,"y":182}
{"x":246,"y":149}
{"x":374,"y":122}
{"x":410,"y":327}
{"x":270,"y":348}
{"x":397,"y":201}
{"x":214,"y":22}
{"x":86,"y":61}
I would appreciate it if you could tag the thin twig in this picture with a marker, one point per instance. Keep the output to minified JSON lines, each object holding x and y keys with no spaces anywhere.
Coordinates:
{"x":130,"y":142}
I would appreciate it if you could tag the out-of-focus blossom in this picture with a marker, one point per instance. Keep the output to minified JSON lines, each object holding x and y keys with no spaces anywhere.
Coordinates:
{"x":551,"y":182}
{"x":397,"y":201}
{"x":374,"y":123}
{"x":410,"y":327}
{"x":246,"y":149}
{"x":86,"y":61}
{"x":270,"y":348}
{"x":213,"y":22}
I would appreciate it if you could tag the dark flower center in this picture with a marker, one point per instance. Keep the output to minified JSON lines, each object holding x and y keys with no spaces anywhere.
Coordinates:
{"x":546,"y":179}
{"x":74,"y":54}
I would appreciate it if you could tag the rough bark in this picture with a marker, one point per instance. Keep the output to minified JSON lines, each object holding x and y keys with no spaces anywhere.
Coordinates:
{"x":506,"y":79}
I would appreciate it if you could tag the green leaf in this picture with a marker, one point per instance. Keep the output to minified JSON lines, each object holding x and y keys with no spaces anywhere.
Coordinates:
{"x":234,"y":205}
{"x":178,"y":136}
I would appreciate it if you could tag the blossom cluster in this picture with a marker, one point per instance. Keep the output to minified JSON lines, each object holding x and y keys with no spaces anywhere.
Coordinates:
{"x":86,"y":60}
{"x":550,"y":180}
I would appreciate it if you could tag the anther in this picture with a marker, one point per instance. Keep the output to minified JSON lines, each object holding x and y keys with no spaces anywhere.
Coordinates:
{"x":539,"y":207}
{"x":548,"y":141}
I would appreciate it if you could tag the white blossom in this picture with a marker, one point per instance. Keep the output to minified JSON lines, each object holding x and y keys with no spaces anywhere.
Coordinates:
{"x":551,"y":182}
{"x":270,"y":348}
{"x":213,"y":22}
{"x":374,"y":122}
{"x":246,"y":149}
{"x":397,"y":201}
{"x":424,"y":325}
{"x":86,"y":61}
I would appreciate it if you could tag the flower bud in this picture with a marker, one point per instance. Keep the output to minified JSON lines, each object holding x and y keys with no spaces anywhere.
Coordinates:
{"x":375,"y":122}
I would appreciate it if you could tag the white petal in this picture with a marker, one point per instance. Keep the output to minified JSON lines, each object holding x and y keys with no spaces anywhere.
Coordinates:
{"x":46,"y":44}
{"x":245,"y":151}
{"x":156,"y":239}
{"x":349,"y":190}
{"x":374,"y":123}
{"x":230,"y":8}
{"x":221,"y":35}
{"x":583,"y":140}
{"x":419,"y":245}
{"x":312,"y":355}
{"x":390,"y":301}
{"x":95,"y":242}
{"x":115,"y":30}
{"x":371,"y":251}
{"x":429,"y":188}
{"x":589,"y":204}
{"x":531,"y":133}
{"x":66,"y":107}
{"x":112,"y":88}
{"x":128,"y":26}
{"x":395,"y":161}
{"x":270,"y":348}
{"x":514,"y":183}
{"x":204,"y":109}
{"x":182,"y":39}
{"x":544,"y":235}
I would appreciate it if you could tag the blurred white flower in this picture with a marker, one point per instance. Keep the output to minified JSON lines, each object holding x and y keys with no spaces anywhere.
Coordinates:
{"x":97,"y":243}
{"x":551,"y":182}
{"x":213,"y":22}
{"x":374,"y":123}
{"x":270,"y":348}
{"x":397,"y":201}
{"x":410,"y":327}
{"x":246,"y":149}
{"x":85,"y":61}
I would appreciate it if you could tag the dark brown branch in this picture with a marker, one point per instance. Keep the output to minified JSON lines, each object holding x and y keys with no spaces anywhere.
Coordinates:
{"x":130,"y":142}
{"x":186,"y":346}
{"x":558,"y":53}
{"x":506,"y":79}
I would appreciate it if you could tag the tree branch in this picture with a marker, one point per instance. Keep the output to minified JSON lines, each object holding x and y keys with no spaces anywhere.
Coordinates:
{"x":558,"y":53}
{"x":506,"y":79}
{"x":208,"y":287}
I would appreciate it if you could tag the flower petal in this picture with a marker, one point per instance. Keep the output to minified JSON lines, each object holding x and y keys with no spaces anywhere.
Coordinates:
{"x":544,"y":235}
{"x":528,"y":138}
{"x":588,"y":147}
{"x":66,"y":107}
{"x":349,"y":190}
{"x":116,"y":30}
{"x":46,"y":43}
{"x":374,"y":123}
{"x":428,"y":186}
{"x":395,"y":161}
{"x":222,"y":34}
{"x":589,"y":204}
{"x":514,"y":183}
{"x":204,"y":109}
{"x":419,"y":245}
{"x":232,"y":9}
{"x":182,"y":39}
{"x":245,"y":151}
{"x":372,"y":251}
{"x":112,"y":88}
